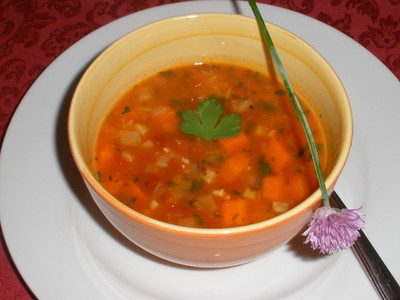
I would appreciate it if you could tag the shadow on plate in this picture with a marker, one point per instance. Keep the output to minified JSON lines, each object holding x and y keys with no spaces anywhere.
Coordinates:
{"x":304,"y":251}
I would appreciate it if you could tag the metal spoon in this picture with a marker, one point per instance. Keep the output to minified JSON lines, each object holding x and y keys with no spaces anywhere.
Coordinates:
{"x":379,"y":275}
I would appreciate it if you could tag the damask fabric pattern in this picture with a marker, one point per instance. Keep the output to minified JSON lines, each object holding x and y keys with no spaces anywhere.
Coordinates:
{"x":34,"y":32}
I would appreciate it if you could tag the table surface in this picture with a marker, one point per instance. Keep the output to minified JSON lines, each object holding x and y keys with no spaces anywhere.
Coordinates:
{"x":35,"y":32}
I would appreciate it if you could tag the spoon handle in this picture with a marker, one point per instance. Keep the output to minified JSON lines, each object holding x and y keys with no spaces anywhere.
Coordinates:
{"x":379,"y":275}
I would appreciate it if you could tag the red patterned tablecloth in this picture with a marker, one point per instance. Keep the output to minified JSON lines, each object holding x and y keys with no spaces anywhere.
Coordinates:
{"x":34,"y":32}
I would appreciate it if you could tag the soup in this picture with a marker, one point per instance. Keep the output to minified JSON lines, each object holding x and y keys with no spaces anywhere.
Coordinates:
{"x":147,"y":162}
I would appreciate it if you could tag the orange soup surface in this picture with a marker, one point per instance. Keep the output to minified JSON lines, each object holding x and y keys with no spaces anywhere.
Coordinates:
{"x":146,"y":161}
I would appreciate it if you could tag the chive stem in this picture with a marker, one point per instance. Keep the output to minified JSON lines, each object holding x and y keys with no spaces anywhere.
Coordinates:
{"x":310,"y":139}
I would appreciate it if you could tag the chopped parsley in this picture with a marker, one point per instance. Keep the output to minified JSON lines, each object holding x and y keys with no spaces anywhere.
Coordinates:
{"x":280,"y":92}
{"x":263,"y":166}
{"x":126,"y":110}
{"x":199,"y":219}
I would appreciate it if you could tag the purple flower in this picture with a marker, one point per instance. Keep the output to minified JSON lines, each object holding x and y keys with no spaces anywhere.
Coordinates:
{"x":332,"y":230}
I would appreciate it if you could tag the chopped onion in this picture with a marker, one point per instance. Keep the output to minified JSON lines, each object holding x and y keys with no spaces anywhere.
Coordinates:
{"x":187,"y":222}
{"x":141,"y":128}
{"x":159,"y":110}
{"x":163,"y":160}
{"x":154,"y":204}
{"x":250,"y":194}
{"x":241,"y":106}
{"x":148,"y":144}
{"x":206,"y":203}
{"x":209,"y":175}
{"x":151,"y":169}
{"x":219,"y":193}
{"x":130,"y":138}
{"x":127,"y":156}
{"x":145,"y":95}
{"x":185,"y":160}
{"x":280,"y":207}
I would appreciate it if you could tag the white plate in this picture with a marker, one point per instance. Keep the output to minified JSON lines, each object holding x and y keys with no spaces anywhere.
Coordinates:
{"x":65,"y":249}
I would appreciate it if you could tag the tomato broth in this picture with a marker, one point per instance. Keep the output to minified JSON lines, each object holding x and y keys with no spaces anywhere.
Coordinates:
{"x":146,"y":161}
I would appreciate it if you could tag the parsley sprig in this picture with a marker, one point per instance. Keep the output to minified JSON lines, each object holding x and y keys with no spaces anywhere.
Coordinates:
{"x":206,"y":121}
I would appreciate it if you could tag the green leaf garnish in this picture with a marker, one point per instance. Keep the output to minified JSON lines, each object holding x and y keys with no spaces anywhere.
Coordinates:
{"x":206,"y":121}
{"x":303,"y":120}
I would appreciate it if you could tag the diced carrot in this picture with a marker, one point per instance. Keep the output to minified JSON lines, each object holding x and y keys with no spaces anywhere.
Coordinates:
{"x":235,"y":144}
{"x":233,"y":166}
{"x":234,"y":212}
{"x":106,"y":155}
{"x":272,"y":187}
{"x":137,"y":192}
{"x":139,"y":199}
{"x":297,"y":187}
{"x":276,"y":154}
{"x":166,"y":118}
{"x":112,"y":186}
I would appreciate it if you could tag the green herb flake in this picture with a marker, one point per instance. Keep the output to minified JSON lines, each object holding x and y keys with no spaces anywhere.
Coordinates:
{"x":167,"y":74}
{"x":206,"y":121}
{"x":126,"y":110}
{"x":196,"y":185}
{"x":236,"y":192}
{"x":265,"y":169}
{"x":263,"y":166}
{"x":300,"y":153}
{"x":99,"y":176}
{"x":280,"y":92}
{"x":199,"y":219}
{"x":267,"y":106}
{"x":131,"y":201}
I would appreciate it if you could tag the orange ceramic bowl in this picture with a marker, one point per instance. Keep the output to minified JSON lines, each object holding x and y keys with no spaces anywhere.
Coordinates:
{"x":205,"y":38}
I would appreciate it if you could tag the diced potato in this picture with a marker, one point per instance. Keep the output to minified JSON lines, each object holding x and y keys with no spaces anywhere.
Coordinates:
{"x":280,"y":207}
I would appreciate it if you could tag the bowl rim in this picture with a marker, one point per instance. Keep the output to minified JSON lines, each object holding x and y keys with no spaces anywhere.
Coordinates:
{"x":310,"y":203}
